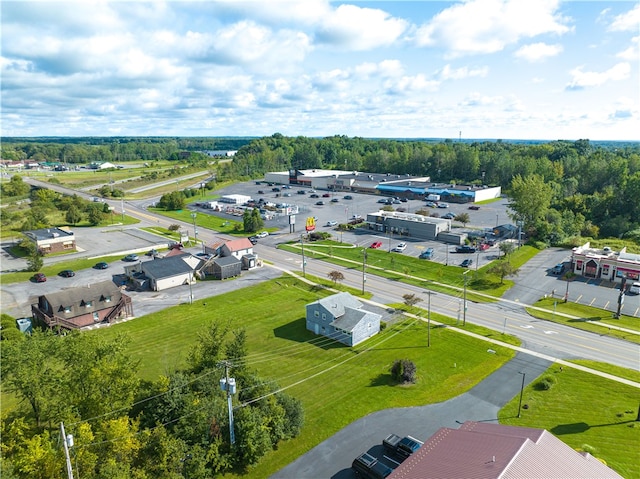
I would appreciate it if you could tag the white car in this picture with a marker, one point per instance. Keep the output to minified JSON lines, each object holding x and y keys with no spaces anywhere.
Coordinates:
{"x":264,"y":234}
{"x":400,"y":247}
{"x":443,"y":205}
{"x":331,"y":223}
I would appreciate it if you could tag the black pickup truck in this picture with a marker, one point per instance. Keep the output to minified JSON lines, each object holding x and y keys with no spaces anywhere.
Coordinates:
{"x":402,"y":447}
{"x":369,"y":467}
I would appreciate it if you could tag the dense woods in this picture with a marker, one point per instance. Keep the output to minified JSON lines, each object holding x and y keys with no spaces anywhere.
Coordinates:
{"x":560,"y":189}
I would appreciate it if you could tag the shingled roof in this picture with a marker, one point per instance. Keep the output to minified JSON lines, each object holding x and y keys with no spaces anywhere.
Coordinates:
{"x":494,"y":451}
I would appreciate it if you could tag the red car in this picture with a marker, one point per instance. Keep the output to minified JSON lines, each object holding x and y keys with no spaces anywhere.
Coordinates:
{"x":376,"y":244}
{"x":483,"y":246}
{"x":326,"y":195}
{"x":39,"y":277}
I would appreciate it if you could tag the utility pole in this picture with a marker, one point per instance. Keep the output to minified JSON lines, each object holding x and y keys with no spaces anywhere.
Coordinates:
{"x":195,"y":228}
{"x":621,"y":298}
{"x":66,"y":441}
{"x":304,"y":261}
{"x":364,"y":268}
{"x":429,"y":293}
{"x":229,"y":385}
{"x":464,"y":300}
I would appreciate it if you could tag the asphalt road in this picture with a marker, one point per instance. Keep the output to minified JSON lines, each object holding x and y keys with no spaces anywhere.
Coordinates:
{"x":333,"y":457}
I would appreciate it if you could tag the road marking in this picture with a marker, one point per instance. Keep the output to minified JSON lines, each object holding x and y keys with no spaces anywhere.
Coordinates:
{"x":578,"y":299}
{"x":551,"y":332}
{"x":526,"y":326}
{"x":592,"y":301}
{"x":606,"y":305}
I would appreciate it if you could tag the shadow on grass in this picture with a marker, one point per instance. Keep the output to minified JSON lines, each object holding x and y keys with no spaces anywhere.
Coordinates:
{"x":579,"y":427}
{"x":382,"y":380}
{"x":582,"y":320}
{"x":297,"y":331}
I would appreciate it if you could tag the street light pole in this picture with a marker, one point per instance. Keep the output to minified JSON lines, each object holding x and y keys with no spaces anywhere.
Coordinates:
{"x":464,"y":300}
{"x":521,"y":391}
{"x":195,"y":228}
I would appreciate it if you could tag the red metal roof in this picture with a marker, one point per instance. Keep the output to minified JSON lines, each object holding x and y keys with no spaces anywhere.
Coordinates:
{"x":492,"y":451}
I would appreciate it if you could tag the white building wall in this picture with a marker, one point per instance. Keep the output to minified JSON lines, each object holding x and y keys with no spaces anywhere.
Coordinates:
{"x":488,"y":194}
{"x":280,"y":177}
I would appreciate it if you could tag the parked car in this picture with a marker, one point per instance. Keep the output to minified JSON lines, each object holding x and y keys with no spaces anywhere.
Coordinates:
{"x":287,"y":194}
{"x":400,"y":247}
{"x":326,"y":195}
{"x":101,"y":265}
{"x":368,"y":466}
{"x":483,"y":246}
{"x":66,"y":273}
{"x":443,"y":205}
{"x":401,"y":447}
{"x":634,"y":288}
{"x":276,"y":189}
{"x":474,"y":207}
{"x":319,"y":203}
{"x":431,"y":204}
{"x":39,"y":277}
{"x":334,"y":200}
{"x":427,"y":254}
{"x":404,"y":200}
{"x":382,"y":200}
{"x":302,"y":192}
{"x":348,"y":197}
{"x":262,"y":234}
{"x":313,"y":196}
{"x":449,"y":216}
{"x":175,"y":246}
{"x":261,"y":192}
{"x":558,"y":269}
{"x":466,"y":263}
{"x":253,"y":239}
{"x":131,"y":257}
{"x":152,"y":252}
{"x":331,"y":223}
{"x":376,"y":244}
{"x":465,"y":249}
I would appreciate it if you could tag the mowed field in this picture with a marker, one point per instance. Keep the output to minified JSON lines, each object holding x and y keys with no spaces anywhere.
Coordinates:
{"x":336,"y":384}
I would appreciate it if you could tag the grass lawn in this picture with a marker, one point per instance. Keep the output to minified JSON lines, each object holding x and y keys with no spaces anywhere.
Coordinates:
{"x":586,"y":412}
{"x":585,"y":313}
{"x":413,"y":270}
{"x":336,"y":384}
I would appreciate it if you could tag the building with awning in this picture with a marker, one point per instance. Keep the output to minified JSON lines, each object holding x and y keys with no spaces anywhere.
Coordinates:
{"x":604,"y":263}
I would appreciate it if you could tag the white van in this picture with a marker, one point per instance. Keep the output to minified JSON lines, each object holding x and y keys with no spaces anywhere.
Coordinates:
{"x":634,"y":288}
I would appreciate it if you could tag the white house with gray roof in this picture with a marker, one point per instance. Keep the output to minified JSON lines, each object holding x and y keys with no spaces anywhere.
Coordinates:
{"x":341,"y":317}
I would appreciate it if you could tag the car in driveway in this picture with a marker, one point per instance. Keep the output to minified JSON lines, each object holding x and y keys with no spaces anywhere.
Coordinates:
{"x":466,"y":263}
{"x":368,"y":466}
{"x":319,"y":203}
{"x":376,"y":244}
{"x":101,"y":265}
{"x":400,"y":247}
{"x":131,"y":257}
{"x":253,"y":239}
{"x":66,"y":273}
{"x":39,"y":278}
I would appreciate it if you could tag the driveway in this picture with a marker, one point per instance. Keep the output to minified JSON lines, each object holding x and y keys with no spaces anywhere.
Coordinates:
{"x":333,"y":457}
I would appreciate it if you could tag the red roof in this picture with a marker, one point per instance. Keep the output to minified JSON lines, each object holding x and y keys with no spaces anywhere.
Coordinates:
{"x":492,"y":451}
{"x":239,"y":244}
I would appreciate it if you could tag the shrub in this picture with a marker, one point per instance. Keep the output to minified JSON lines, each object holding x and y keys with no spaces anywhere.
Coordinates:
{"x":545,"y":383}
{"x":403,"y":371}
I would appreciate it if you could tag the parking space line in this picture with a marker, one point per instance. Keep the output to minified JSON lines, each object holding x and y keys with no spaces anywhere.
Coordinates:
{"x":592,"y":301}
{"x":606,"y":305}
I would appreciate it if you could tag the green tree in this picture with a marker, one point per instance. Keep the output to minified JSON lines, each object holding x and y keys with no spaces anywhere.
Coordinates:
{"x":463,"y":218}
{"x":410,"y":299}
{"x":9,"y":330}
{"x":503,"y":269}
{"x":34,"y":255}
{"x":530,"y":199}
{"x":173,"y":201}
{"x":73,"y":216}
{"x":506,"y":247}
{"x":95,"y":214}
{"x":335,"y":276}
{"x":15,"y":187}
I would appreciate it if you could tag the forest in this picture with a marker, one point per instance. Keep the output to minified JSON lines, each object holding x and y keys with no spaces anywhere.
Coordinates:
{"x":125,"y":428}
{"x":560,"y":189}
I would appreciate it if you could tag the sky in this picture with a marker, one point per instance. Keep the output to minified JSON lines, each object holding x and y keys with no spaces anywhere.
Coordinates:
{"x":476,"y":69}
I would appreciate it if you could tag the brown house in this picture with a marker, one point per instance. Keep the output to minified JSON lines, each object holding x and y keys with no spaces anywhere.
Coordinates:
{"x":76,"y":308}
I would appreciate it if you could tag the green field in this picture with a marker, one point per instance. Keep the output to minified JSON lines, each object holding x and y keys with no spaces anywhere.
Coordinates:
{"x":586,"y":412}
{"x":336,"y":384}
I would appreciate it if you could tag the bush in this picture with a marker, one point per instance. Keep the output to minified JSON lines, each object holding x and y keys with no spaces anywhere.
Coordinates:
{"x":404,"y":371}
{"x":545,"y":383}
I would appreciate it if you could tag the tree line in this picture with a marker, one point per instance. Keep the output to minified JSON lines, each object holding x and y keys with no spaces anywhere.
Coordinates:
{"x":174,"y":427}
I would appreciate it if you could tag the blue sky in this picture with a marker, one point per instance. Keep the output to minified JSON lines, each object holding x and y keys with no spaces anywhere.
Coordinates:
{"x":507,"y":69}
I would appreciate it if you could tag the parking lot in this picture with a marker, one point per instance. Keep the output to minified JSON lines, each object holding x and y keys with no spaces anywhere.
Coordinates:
{"x":337,"y":208}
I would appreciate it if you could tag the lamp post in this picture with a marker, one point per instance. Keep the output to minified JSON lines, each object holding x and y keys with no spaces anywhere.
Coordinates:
{"x":521,"y":391}
{"x":195,"y":228}
{"x":304,"y":261}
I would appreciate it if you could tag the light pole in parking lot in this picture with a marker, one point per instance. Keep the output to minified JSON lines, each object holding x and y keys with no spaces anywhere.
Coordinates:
{"x":521,"y":391}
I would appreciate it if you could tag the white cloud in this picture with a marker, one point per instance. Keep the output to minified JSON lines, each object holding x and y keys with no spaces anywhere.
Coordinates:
{"x":628,"y":21}
{"x":581,"y":79}
{"x":385,"y":68}
{"x":633,"y":52}
{"x":411,"y":84}
{"x":448,"y":73}
{"x":488,"y":26}
{"x":358,"y":28}
{"x":536,"y":52}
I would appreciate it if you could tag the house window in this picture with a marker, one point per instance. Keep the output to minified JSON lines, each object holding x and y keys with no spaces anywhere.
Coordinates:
{"x":369,"y":325}
{"x":106,"y":299}
{"x":316,"y":314}
{"x":96,"y":316}
{"x":324,"y":316}
{"x":67,"y":309}
{"x":88,"y":304}
{"x":323,"y":329}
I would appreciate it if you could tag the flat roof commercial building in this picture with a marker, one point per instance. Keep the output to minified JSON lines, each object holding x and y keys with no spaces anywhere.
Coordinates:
{"x":407,"y":224}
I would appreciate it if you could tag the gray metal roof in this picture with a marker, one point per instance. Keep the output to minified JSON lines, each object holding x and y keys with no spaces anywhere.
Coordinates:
{"x":349,"y":319}
{"x":166,"y":267}
{"x":336,"y":303}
